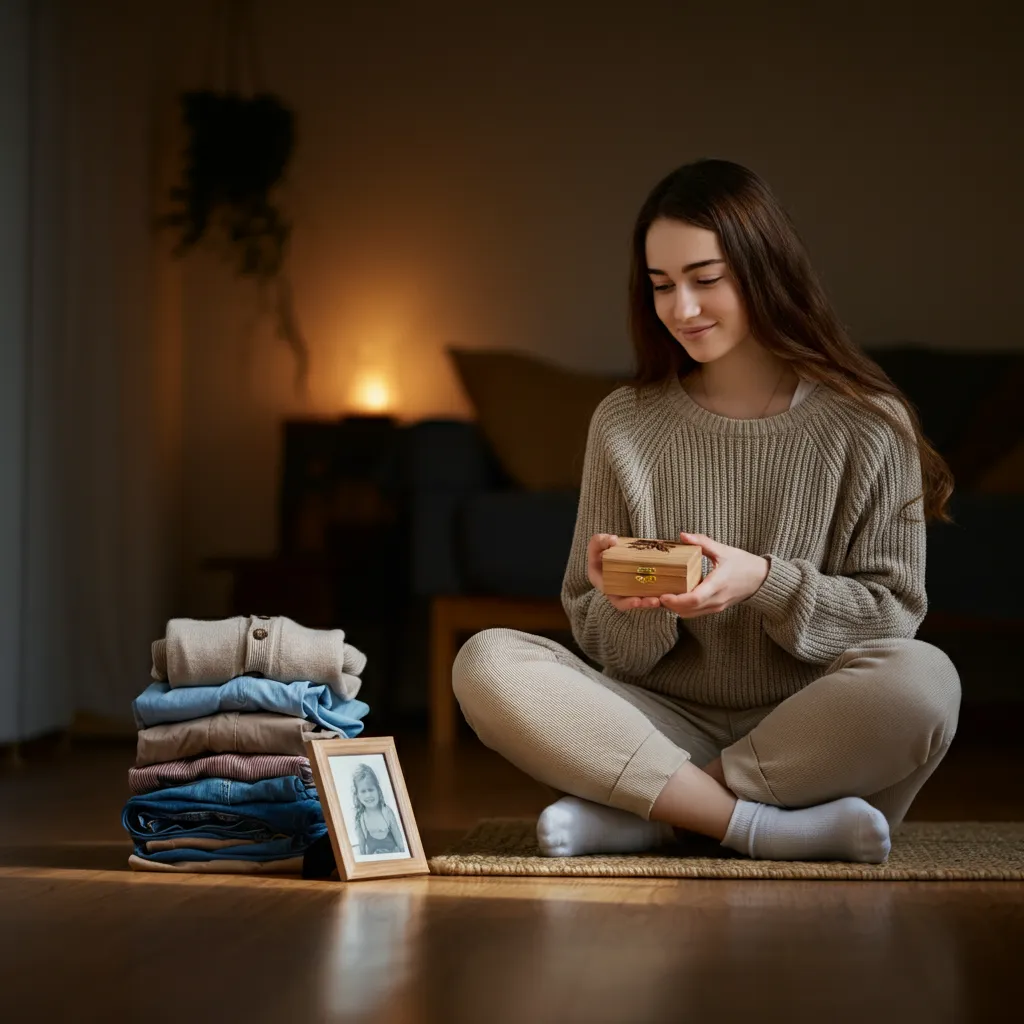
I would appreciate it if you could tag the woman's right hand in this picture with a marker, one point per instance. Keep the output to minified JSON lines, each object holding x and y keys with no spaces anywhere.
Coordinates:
{"x":599,"y":543}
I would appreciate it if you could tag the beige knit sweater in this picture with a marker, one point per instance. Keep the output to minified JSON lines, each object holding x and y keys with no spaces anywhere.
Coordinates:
{"x":199,"y":652}
{"x":816,"y":490}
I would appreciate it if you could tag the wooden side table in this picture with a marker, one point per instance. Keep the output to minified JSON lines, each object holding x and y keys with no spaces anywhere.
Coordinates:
{"x":453,"y":614}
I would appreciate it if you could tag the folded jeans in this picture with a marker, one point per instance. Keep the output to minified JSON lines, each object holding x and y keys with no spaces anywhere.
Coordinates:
{"x":226,"y":809}
{"x":285,"y":789}
{"x":273,"y":849}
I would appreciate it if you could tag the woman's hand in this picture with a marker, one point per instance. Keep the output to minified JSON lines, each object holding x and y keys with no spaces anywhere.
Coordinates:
{"x":598,"y":544}
{"x":737,"y":574}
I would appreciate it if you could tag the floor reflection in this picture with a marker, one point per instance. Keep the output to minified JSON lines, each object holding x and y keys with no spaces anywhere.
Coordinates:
{"x":663,"y":961}
{"x":370,"y":957}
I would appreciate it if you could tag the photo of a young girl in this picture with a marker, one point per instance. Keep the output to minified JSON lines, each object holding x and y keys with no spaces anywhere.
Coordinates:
{"x":376,"y":829}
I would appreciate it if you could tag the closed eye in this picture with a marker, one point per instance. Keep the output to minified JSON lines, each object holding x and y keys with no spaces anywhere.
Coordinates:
{"x":703,"y":281}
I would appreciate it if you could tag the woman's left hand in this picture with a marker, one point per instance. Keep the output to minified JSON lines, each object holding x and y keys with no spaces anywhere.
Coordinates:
{"x":737,"y":574}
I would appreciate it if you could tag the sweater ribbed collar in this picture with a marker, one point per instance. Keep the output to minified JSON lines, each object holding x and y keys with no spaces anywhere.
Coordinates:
{"x":814,"y":405}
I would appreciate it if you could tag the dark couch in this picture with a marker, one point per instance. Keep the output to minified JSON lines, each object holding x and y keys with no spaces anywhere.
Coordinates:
{"x":464,"y":508}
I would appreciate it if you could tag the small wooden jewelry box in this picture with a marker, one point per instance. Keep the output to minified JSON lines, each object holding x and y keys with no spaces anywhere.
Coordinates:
{"x":645,"y":568}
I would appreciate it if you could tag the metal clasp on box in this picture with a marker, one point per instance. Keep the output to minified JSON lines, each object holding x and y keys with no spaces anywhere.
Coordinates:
{"x":646,"y":574}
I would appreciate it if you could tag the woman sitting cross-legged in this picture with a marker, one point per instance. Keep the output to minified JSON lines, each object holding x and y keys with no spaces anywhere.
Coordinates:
{"x":783,"y":707}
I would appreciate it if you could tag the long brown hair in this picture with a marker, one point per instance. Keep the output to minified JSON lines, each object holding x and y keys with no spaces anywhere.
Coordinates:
{"x":785,"y":304}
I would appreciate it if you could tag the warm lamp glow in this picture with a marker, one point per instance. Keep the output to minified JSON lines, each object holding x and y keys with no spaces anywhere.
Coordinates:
{"x":373,"y":393}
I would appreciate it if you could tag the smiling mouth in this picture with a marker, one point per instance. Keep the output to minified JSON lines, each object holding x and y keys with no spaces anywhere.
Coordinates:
{"x":697,"y":330}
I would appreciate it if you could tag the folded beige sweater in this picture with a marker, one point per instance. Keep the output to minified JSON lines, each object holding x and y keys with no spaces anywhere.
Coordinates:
{"x":198,"y":652}
{"x":194,"y":843}
{"x":285,"y":866}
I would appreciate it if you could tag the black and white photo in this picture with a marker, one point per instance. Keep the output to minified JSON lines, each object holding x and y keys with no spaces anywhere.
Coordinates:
{"x":367,"y":808}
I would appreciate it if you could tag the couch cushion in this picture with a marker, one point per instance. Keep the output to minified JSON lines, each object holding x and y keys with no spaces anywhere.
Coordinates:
{"x":948,"y":389}
{"x":974,"y":566}
{"x":995,"y":430}
{"x":514,"y":543}
{"x":1005,"y":476}
{"x":534,"y":414}
{"x":445,"y":454}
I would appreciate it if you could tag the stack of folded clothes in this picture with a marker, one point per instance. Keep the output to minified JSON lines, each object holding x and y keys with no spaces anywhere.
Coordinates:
{"x":221,"y":781}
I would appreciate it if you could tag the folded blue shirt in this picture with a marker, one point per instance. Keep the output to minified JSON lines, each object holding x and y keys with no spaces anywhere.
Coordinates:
{"x":160,"y":702}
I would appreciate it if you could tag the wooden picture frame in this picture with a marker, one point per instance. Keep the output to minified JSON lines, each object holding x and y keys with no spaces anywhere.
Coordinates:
{"x":339,"y":768}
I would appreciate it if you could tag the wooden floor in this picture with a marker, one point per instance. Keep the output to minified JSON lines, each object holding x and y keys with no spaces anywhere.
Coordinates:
{"x":82,"y":938}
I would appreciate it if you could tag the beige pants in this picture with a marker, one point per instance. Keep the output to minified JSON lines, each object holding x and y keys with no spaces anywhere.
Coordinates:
{"x":876,"y":724}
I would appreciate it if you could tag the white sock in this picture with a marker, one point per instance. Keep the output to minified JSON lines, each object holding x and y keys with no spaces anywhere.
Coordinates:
{"x":571,"y":827}
{"x":845,"y":829}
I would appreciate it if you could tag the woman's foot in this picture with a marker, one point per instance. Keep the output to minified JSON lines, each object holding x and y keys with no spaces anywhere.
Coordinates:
{"x":571,"y":827}
{"x":847,"y":829}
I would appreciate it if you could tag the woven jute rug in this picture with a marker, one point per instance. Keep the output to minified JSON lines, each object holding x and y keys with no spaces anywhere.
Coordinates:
{"x":921,"y":851}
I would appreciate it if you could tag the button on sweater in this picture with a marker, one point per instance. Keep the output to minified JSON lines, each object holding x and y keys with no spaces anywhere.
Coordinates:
{"x":816,"y":490}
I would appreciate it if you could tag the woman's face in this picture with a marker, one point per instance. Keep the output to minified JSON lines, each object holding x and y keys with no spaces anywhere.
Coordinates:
{"x":695,"y":296}
{"x":367,"y":793}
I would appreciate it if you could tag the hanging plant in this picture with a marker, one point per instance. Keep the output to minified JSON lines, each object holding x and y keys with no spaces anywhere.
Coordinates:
{"x":238,"y":151}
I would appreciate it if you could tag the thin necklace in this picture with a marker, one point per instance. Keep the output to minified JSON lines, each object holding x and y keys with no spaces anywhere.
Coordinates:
{"x":700,"y":380}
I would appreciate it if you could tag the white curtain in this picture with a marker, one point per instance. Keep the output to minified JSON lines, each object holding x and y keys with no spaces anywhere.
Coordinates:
{"x":90,"y":406}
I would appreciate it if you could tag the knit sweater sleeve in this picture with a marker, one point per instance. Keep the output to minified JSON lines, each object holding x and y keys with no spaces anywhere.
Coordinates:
{"x":880,"y":589}
{"x":629,"y":643}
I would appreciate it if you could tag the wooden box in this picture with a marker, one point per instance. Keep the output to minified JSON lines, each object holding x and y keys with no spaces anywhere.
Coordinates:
{"x":636,"y":567}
